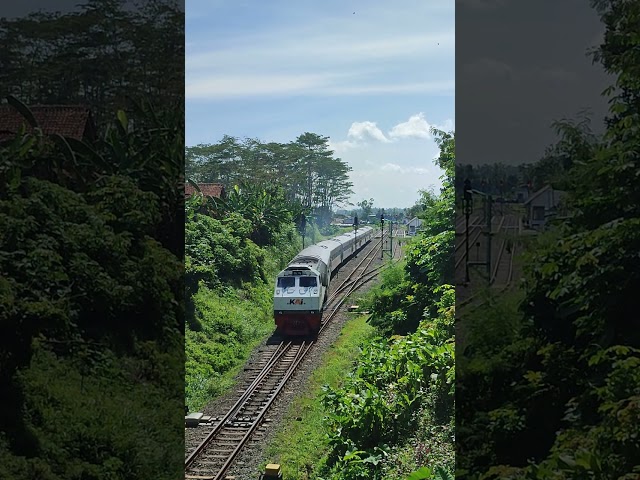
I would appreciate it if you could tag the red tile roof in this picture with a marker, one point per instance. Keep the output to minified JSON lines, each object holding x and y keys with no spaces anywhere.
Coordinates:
{"x":207,"y":189}
{"x":73,"y":121}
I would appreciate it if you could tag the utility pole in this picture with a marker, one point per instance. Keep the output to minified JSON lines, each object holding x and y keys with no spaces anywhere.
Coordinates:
{"x":467,"y":200}
{"x":391,"y":237}
{"x":355,"y":230}
{"x":489,"y":200}
{"x":303,"y":227}
{"x":487,"y":232}
{"x":382,"y":234}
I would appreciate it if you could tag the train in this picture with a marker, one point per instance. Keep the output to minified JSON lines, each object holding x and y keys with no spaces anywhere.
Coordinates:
{"x":302,"y":288}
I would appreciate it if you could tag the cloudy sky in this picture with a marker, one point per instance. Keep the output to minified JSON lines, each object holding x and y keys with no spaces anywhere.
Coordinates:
{"x":519,"y":67}
{"x":371,"y":75}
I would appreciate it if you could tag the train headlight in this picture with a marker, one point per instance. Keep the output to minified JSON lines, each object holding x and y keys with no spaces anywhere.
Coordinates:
{"x":315,"y":291}
{"x":302,"y":290}
{"x":277,"y":291}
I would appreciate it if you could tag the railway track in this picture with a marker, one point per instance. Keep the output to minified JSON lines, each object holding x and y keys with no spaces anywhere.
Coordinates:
{"x":211,"y":452}
{"x":504,"y":250}
{"x":475,"y":232}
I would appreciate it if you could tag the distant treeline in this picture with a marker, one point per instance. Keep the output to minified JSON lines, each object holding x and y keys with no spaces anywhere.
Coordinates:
{"x":499,"y":179}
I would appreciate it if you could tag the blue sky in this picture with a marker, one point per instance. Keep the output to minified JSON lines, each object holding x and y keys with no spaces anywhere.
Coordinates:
{"x":373,"y":81}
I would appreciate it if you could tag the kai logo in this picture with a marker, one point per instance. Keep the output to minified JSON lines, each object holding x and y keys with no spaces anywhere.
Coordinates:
{"x":296,"y":301}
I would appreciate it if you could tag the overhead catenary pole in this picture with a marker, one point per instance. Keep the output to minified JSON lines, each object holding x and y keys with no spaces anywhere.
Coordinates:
{"x":355,"y":230}
{"x":382,"y":234}
{"x":489,"y":200}
{"x":467,"y":212}
{"x":391,"y":238}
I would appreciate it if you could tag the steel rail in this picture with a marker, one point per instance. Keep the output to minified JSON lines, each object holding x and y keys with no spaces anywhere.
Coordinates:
{"x":275,"y":358}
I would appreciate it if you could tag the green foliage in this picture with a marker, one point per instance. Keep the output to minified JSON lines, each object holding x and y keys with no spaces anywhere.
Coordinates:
{"x":266,"y":208}
{"x":366,"y":206}
{"x":403,"y":299}
{"x":90,"y":280}
{"x":378,"y":403}
{"x":83,"y":433}
{"x":568,"y":382}
{"x":229,"y":325}
{"x":219,"y":251}
{"x":228,"y":281}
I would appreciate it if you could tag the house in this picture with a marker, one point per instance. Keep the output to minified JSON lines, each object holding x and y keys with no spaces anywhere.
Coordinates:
{"x":207,"y":189}
{"x":543,"y":204}
{"x":413,"y":226}
{"x":339,"y":219}
{"x":522,"y":193}
{"x":74,"y":121}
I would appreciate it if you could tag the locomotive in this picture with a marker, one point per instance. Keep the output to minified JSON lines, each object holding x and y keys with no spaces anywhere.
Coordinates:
{"x":302,"y":288}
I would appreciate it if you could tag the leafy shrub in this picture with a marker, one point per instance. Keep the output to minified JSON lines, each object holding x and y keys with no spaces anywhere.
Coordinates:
{"x":378,"y":403}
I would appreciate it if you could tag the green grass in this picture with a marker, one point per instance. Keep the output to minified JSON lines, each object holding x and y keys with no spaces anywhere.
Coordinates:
{"x":301,"y":443}
{"x":232,"y":325}
{"x":102,"y":418}
{"x":233,"y":322}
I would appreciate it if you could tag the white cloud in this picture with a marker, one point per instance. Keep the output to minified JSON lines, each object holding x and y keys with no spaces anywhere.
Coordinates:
{"x":366,"y":130}
{"x":230,"y":85}
{"x":447,"y":126}
{"x":267,"y":84}
{"x":416,"y":127}
{"x":361,"y":134}
{"x":393,"y":167}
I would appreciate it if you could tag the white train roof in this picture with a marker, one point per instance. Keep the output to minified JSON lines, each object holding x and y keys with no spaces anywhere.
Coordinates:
{"x":322,"y":250}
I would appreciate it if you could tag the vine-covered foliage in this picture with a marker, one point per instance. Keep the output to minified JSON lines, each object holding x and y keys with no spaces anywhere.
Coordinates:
{"x":379,"y":402}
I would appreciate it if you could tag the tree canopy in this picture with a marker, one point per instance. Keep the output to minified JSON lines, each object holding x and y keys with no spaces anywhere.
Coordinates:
{"x":305,"y":169}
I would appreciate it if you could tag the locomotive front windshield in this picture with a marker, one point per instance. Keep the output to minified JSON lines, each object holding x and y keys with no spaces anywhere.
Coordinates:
{"x":286,"y":282}
{"x":308,"y":282}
